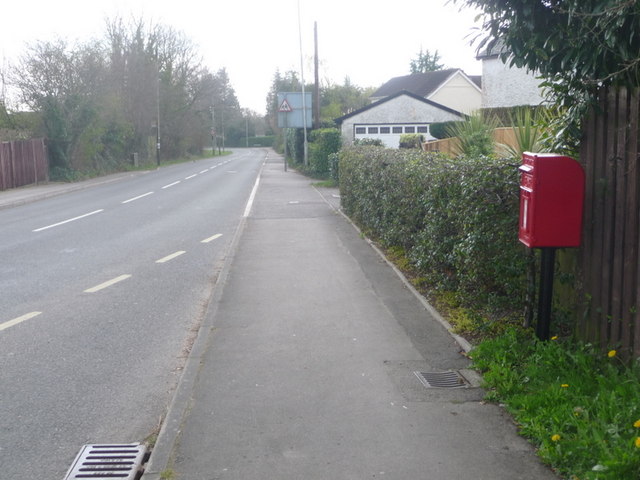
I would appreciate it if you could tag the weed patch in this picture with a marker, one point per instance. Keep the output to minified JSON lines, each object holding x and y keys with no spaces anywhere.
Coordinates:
{"x":578,"y":405}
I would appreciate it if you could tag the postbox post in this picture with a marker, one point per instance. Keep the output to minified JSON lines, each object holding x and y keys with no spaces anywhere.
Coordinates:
{"x":545,"y":295}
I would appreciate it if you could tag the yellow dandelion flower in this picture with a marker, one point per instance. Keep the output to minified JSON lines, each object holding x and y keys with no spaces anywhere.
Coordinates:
{"x":556,"y":438}
{"x":637,"y":442}
{"x":555,"y":337}
{"x":565,"y":385}
{"x":636,"y":424}
{"x":612,"y":353}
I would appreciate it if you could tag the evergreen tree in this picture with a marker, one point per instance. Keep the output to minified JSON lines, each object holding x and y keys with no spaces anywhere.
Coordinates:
{"x":426,"y":62}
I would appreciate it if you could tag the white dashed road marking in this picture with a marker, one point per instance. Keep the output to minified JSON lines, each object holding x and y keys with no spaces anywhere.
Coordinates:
{"x":16,"y":321}
{"x":170,"y":257}
{"x":211,"y":239}
{"x":107,"y":284}
{"x":138,"y":197}
{"x":67,"y":221}
{"x":171,"y":184}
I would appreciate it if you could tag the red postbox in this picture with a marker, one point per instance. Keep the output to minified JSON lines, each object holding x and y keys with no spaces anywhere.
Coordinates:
{"x":551,"y":199}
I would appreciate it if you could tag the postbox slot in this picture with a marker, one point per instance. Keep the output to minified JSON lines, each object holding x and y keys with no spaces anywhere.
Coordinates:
{"x":525,"y":211}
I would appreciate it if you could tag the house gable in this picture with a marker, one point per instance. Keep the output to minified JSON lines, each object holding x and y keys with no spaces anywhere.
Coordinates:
{"x":458,"y":92}
{"x":387,"y":119}
{"x":504,"y":85}
{"x":451,"y":88}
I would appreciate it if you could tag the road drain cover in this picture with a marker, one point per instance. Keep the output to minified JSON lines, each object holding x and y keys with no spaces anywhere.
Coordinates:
{"x":449,"y":379}
{"x":108,"y":461}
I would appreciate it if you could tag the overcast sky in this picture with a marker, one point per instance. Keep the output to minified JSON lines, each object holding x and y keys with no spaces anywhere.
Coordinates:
{"x":369,"y":41}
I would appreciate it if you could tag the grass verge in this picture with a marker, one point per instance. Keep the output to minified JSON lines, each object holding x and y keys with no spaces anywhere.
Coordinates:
{"x":577,"y":405}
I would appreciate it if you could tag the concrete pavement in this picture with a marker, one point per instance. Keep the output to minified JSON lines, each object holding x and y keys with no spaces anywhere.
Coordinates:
{"x":305,"y":365}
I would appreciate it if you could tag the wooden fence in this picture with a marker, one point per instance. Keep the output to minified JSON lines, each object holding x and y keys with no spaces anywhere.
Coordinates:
{"x":504,"y":136}
{"x":609,"y":258}
{"x":23,"y":162}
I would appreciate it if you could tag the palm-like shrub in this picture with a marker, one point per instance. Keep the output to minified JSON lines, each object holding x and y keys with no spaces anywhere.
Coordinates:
{"x":474,"y":137}
{"x":528,"y":134}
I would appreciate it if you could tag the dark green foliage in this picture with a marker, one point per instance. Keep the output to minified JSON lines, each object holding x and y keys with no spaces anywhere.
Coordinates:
{"x":324,"y":142}
{"x":411,"y":140}
{"x":457,"y":220}
{"x":266,"y":141}
{"x":441,"y":129}
{"x":576,"y":45}
{"x":295,"y":144}
{"x":334,"y":167}
{"x":474,"y":136}
{"x":505,"y":115}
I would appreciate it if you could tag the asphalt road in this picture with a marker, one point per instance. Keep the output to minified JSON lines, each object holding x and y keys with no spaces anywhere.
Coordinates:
{"x":101,"y":292}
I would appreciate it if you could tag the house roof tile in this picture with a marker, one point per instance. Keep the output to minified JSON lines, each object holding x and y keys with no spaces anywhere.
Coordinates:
{"x":492,"y":49}
{"x":422,"y":84}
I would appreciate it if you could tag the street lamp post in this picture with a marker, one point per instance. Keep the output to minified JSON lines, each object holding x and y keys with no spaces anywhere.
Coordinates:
{"x":158,"y":120}
{"x":213,"y":134}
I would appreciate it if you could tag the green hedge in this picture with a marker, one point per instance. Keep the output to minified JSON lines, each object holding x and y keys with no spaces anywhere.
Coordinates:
{"x":456,"y":220}
{"x":264,"y":141}
{"x":411,"y":140}
{"x":294,"y":137}
{"x":324,"y":142}
{"x":441,"y":129}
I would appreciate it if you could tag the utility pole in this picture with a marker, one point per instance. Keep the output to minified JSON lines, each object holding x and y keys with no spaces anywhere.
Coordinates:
{"x":316,"y":107}
{"x":222,"y":127}
{"x":304,"y":103}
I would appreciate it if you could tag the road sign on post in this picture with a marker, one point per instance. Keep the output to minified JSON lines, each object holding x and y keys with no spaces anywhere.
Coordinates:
{"x":285,"y":107}
{"x":290,"y":109}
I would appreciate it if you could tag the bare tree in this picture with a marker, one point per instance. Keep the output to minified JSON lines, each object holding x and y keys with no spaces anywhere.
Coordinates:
{"x":60,"y":82}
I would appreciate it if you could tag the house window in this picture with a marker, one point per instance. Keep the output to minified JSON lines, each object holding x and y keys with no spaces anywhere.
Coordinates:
{"x":397,"y":129}
{"x":373,"y":130}
{"x":423,"y":129}
{"x":385,"y":130}
{"x":409,"y":129}
{"x":361,"y":130}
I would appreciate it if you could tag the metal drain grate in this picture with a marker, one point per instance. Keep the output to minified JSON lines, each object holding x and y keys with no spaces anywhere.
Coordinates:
{"x":449,"y":379}
{"x":108,"y":461}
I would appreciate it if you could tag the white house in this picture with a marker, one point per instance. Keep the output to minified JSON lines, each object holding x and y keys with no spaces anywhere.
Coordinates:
{"x":451,"y":88}
{"x":394,"y":115}
{"x":505,"y":86}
